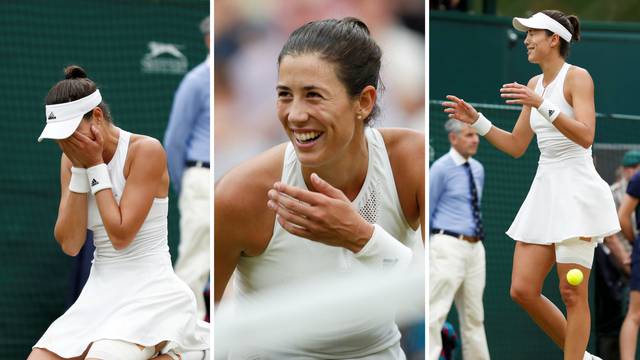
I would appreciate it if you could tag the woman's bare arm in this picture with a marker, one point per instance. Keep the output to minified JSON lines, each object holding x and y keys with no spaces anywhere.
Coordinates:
{"x":514,"y":143}
{"x":71,"y":225}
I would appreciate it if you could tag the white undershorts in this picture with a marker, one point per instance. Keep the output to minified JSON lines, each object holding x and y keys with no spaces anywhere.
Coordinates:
{"x":107,"y":349}
{"x":576,"y":251}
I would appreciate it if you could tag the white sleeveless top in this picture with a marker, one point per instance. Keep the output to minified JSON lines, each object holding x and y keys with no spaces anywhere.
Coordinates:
{"x":152,"y":237}
{"x":553,"y":145}
{"x":289,"y":259}
{"x":567,"y":198}
{"x":131,"y":294}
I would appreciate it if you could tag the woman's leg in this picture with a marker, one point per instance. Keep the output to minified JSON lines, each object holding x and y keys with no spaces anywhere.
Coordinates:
{"x":531,"y":265}
{"x":629,"y":331}
{"x":578,"y":316}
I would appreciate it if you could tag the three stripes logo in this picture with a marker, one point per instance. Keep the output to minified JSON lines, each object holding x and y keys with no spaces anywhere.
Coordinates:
{"x":52,"y":116}
{"x":551,"y":112}
{"x":94,"y":182}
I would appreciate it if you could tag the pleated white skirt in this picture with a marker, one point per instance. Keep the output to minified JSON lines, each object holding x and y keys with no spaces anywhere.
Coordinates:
{"x":140,"y":301}
{"x":567,"y":199}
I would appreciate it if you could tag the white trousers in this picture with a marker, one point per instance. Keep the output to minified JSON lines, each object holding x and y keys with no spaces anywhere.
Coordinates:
{"x":194,"y":252}
{"x":457,"y":273}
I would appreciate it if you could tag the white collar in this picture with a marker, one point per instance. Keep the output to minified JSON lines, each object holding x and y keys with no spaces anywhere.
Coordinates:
{"x":457,"y":158}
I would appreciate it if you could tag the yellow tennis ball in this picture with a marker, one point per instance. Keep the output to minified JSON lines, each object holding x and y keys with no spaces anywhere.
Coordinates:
{"x":574,"y":277}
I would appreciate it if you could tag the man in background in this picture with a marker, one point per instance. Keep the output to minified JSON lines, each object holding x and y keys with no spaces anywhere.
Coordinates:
{"x":612,"y":265}
{"x":187,"y":144}
{"x":457,"y":259}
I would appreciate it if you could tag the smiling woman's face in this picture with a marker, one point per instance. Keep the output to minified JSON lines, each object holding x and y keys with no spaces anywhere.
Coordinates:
{"x":315,"y":110}
{"x":539,"y":45}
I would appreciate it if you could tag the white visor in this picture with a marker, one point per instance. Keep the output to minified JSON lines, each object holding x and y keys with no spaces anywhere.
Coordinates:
{"x":63,"y":119}
{"x":544,"y":22}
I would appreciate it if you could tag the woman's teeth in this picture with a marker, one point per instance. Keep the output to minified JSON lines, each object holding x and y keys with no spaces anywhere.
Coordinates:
{"x":307,"y":136}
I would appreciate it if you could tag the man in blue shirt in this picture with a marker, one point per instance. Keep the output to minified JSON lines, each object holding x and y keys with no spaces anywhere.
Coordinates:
{"x":187,"y":144}
{"x":456,"y":255}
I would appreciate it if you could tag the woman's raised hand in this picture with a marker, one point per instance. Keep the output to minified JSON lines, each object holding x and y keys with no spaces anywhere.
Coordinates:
{"x":326,"y":216}
{"x":460,"y":110}
{"x":82,"y":150}
{"x":68,"y":149}
{"x":520,"y":95}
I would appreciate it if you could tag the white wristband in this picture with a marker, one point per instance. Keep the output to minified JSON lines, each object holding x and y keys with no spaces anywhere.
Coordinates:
{"x":98,"y":177}
{"x":383,"y":251}
{"x":79,"y":182}
{"x":549,"y":110}
{"x":482,"y":125}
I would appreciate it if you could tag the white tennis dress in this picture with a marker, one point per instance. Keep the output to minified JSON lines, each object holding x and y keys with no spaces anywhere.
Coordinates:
{"x":567,"y":198}
{"x":290,"y":260}
{"x":131,"y":294}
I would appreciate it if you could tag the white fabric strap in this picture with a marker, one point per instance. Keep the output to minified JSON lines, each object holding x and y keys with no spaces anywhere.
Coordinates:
{"x":482,"y":125}
{"x":575,"y":251}
{"x":549,"y":110}
{"x":383,"y":251}
{"x":71,"y":110}
{"x":79,"y":182}
{"x":98,"y":177}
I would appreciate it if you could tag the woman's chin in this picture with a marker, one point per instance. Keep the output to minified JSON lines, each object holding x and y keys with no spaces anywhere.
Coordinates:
{"x":532,"y":59}
{"x":309,"y":160}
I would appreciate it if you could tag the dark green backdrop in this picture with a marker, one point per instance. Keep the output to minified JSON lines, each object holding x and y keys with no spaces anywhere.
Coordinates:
{"x":110,"y":40}
{"x":472,"y":56}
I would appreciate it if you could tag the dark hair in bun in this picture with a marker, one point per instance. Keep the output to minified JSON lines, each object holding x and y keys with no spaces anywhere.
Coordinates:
{"x":74,"y":72}
{"x":570,"y":22}
{"x":75,"y":85}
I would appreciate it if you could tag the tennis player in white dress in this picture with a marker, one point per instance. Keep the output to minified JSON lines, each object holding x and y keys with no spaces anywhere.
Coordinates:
{"x":569,"y":208}
{"x":338,"y":198}
{"x":115,"y":183}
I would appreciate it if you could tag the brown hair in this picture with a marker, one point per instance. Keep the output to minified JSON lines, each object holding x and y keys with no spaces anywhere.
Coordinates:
{"x":346,"y":43}
{"x":570,"y":22}
{"x":74,"y":86}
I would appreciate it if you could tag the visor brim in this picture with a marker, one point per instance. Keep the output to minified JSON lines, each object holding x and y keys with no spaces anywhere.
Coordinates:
{"x":524,"y":24}
{"x":60,"y":130}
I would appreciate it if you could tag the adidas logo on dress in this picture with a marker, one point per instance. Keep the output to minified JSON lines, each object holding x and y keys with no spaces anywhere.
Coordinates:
{"x":52,"y":116}
{"x":551,"y":112}
{"x":94,"y":182}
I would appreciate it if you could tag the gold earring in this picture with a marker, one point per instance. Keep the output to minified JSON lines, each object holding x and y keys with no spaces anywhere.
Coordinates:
{"x":359,"y":117}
